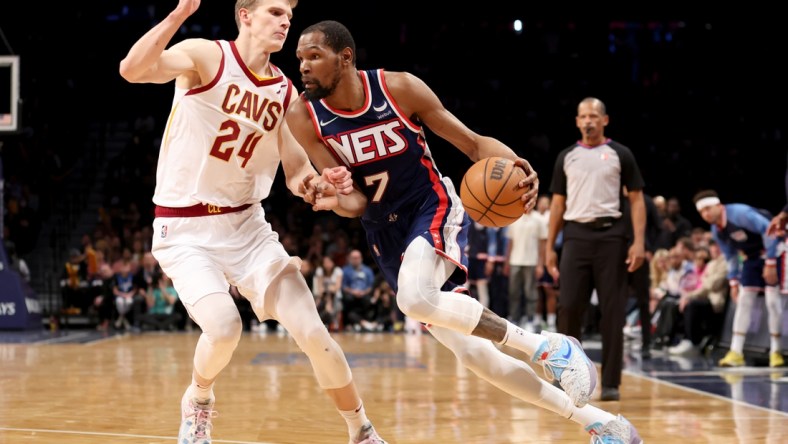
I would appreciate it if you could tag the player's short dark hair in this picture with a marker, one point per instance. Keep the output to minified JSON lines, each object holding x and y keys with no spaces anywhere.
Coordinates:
{"x":336,"y":36}
{"x":703,"y":194}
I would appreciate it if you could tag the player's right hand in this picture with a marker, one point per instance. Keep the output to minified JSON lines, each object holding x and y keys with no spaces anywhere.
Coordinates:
{"x":340,"y":178}
{"x":551,"y":263}
{"x":777,"y":225}
{"x":187,"y":7}
{"x":531,"y":180}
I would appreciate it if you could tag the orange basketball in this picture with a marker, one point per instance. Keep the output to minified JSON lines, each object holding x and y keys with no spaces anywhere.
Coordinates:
{"x":490,"y":194}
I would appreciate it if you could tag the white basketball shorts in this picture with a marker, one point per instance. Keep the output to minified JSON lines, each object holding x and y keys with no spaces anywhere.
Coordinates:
{"x":205,"y":255}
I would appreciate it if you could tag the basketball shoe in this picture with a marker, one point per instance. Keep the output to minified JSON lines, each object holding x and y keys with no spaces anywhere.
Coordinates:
{"x":195,"y":420}
{"x":617,"y":431}
{"x":776,"y":359}
{"x":564,"y":360}
{"x":732,"y":359}
{"x":367,"y":435}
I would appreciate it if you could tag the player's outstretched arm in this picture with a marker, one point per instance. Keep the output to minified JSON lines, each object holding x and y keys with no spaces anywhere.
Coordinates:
{"x":417,"y":100}
{"x":148,"y":62}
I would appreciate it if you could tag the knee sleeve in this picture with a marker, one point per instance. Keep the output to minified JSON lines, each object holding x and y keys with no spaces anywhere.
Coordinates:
{"x":774,"y":308}
{"x":218,"y":318}
{"x":419,"y":295}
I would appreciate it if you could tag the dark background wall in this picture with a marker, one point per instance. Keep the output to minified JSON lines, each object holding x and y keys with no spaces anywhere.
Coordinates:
{"x":699,"y":97}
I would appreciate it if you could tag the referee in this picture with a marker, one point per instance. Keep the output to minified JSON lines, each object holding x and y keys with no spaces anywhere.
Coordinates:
{"x":587,"y":187}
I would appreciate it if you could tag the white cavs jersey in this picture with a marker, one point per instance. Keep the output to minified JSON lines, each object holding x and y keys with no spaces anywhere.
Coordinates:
{"x":220,"y":144}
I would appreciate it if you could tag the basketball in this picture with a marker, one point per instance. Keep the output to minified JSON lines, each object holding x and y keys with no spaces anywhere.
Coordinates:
{"x":490,"y":194}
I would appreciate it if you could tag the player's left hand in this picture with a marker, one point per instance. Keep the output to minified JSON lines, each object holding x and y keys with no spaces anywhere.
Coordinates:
{"x":770,"y":274}
{"x":531,"y":180}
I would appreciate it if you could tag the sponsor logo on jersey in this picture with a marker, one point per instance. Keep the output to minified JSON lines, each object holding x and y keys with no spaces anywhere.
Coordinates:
{"x":324,"y":123}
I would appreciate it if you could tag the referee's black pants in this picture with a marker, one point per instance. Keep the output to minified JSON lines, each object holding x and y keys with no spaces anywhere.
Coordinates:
{"x":595,"y":258}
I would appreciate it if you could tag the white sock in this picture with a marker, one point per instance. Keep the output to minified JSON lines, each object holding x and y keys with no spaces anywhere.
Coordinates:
{"x":774,"y":309}
{"x":774,"y":343}
{"x":201,"y":393}
{"x":741,"y":318}
{"x":520,"y":339}
{"x":551,"y":319}
{"x":591,"y":418}
{"x":737,"y":343}
{"x":355,"y":419}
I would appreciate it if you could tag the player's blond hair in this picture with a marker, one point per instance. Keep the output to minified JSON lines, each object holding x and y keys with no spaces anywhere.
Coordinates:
{"x":251,"y":4}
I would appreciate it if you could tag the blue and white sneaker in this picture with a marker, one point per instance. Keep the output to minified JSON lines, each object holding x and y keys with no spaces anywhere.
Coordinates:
{"x":564,"y":360}
{"x":195,"y":420}
{"x":617,"y":431}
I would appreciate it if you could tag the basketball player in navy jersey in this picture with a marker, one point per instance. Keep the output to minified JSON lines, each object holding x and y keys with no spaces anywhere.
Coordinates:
{"x":371,"y":122}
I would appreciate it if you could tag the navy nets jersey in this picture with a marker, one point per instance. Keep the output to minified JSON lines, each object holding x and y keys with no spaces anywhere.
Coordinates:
{"x":386,"y":152}
{"x":388,"y":156}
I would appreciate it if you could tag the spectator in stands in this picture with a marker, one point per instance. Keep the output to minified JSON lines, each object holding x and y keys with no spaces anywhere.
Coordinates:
{"x":89,"y":253}
{"x":73,"y":283}
{"x":666,"y":314}
{"x":704,"y":307}
{"x":327,"y":289}
{"x":548,"y":287}
{"x":147,"y":273}
{"x":124,"y":289}
{"x":674,"y":224}
{"x":524,"y":265}
{"x":104,"y":302}
{"x":477,"y":250}
{"x":658,"y":275}
{"x":15,"y":262}
{"x":357,"y":281}
{"x":387,"y":316}
{"x":161,"y":299}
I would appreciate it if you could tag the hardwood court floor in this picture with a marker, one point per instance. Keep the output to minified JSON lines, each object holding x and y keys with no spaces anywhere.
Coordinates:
{"x":127,"y":389}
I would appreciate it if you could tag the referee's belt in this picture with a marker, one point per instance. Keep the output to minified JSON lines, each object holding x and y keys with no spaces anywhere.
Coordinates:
{"x":197,"y":210}
{"x":600,"y":223}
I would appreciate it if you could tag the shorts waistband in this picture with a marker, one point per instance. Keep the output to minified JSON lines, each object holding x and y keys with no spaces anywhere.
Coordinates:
{"x":197,"y":210}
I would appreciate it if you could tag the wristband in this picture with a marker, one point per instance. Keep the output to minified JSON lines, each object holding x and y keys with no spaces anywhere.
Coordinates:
{"x":771,"y":262}
{"x":733,"y":283}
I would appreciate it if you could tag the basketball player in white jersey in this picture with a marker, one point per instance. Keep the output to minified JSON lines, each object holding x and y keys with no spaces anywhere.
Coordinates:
{"x":225,"y":137}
